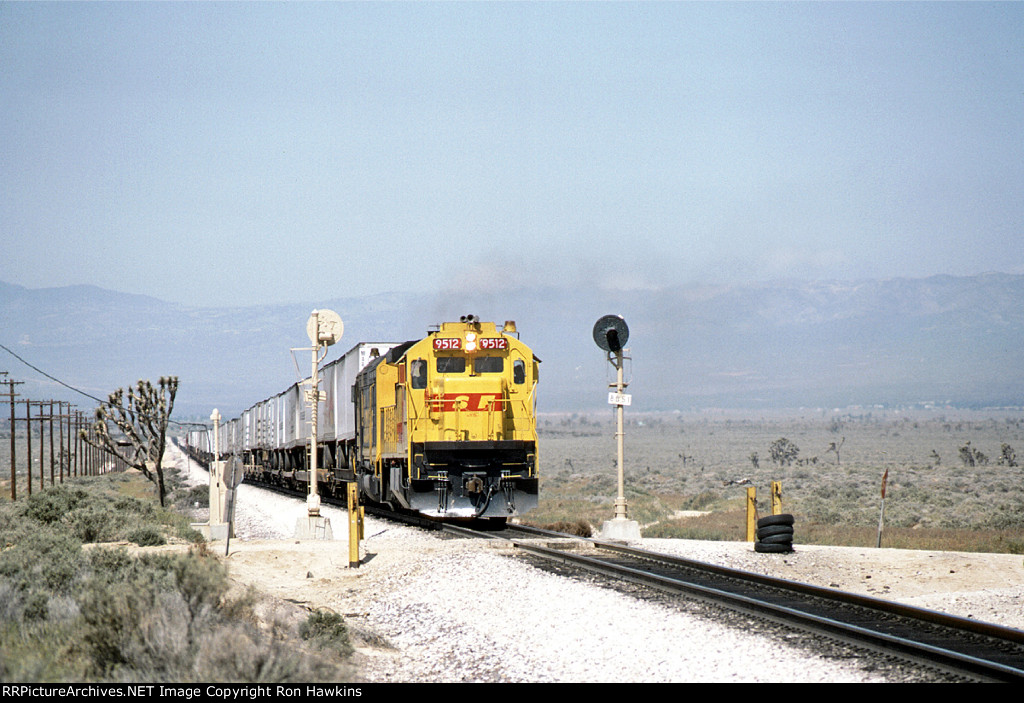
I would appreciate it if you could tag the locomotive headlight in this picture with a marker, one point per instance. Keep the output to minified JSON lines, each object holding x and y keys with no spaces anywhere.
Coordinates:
{"x":470,"y":341}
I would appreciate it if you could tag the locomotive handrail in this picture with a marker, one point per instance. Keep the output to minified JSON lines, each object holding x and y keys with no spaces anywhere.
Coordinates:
{"x":491,"y":410}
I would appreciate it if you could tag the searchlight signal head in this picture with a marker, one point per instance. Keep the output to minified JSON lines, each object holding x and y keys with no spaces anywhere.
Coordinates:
{"x":611,"y":333}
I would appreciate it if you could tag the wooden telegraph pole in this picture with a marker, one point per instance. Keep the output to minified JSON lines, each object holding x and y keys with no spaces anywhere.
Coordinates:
{"x":42,"y":436}
{"x":28,"y":443}
{"x":11,"y":395}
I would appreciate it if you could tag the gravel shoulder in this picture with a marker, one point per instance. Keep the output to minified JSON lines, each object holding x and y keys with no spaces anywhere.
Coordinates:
{"x":423,"y":609}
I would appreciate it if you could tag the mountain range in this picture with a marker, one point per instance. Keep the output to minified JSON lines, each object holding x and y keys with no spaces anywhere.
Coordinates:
{"x":942,"y":340}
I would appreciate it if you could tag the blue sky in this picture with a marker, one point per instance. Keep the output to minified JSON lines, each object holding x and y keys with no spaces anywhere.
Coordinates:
{"x":248,"y":153}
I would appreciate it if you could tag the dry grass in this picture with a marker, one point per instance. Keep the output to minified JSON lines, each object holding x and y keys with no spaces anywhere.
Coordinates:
{"x":934,"y":500}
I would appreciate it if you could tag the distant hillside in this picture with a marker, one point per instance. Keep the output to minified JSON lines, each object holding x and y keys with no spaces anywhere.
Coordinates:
{"x":956,"y":340}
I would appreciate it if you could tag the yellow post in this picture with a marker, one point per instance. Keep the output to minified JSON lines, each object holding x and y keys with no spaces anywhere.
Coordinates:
{"x":354,"y":526}
{"x":751,"y":513}
{"x":776,"y":497}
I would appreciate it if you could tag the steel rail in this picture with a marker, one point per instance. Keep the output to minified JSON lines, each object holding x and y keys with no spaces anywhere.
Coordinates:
{"x":879,"y":604}
{"x":951,"y":661}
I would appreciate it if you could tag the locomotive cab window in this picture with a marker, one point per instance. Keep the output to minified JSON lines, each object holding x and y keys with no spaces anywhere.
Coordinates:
{"x":519,"y":371}
{"x":451,"y":364}
{"x":419,"y":373}
{"x":488,"y":364}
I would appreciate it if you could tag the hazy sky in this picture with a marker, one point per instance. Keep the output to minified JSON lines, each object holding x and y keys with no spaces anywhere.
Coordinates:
{"x":224,"y":154}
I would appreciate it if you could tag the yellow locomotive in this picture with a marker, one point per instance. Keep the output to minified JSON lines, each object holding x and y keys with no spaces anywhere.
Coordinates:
{"x":446,"y":425}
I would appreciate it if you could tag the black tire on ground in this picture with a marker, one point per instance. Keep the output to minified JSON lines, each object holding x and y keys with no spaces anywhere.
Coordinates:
{"x":774,"y":530}
{"x":776,"y":539}
{"x":768,"y":521}
{"x":772,"y":548}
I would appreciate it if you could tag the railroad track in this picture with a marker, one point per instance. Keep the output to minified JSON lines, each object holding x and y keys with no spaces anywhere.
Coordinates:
{"x":956,"y":646}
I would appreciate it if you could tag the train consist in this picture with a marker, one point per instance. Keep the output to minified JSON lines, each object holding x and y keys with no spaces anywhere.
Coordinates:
{"x":444,"y":426}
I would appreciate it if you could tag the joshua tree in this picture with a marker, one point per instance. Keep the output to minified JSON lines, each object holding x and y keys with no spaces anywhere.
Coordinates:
{"x":833,"y":447}
{"x":783,"y":452}
{"x":971,"y":456}
{"x":142,"y":419}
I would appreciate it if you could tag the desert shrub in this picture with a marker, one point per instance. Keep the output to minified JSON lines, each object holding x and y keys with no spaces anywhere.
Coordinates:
{"x":54,"y":504}
{"x":1004,"y":516}
{"x":202,"y":582}
{"x":94,"y":523}
{"x":701,"y":501}
{"x":326,"y":630}
{"x":188,"y":534}
{"x":147,"y":536}
{"x":166,"y":617}
{"x":68,"y":614}
{"x":97,"y":511}
{"x":41,"y":570}
{"x":144,"y":614}
{"x":110,"y":564}
{"x":196,"y":495}
{"x":42,"y":560}
{"x":724,"y":525}
{"x":139,"y":508}
{"x":40,"y":651}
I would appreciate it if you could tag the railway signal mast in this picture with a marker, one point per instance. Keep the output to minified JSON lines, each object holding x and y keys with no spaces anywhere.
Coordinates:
{"x":611,"y":334}
{"x":324,"y":329}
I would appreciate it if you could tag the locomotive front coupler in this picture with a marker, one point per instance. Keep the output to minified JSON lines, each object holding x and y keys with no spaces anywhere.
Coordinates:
{"x":472,"y":484}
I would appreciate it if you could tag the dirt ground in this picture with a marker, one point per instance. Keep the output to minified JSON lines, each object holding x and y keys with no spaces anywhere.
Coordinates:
{"x":316,"y":574}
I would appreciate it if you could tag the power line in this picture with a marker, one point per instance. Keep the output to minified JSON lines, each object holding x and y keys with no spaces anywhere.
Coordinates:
{"x":81,"y":392}
{"x":53,"y":378}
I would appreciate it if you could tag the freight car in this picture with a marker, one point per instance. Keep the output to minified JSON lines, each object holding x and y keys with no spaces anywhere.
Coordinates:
{"x":444,"y":426}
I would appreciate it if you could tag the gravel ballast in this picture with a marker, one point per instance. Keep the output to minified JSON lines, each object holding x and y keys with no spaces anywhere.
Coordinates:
{"x":425,"y":609}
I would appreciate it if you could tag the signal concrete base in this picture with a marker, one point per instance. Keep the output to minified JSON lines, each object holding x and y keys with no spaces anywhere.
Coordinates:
{"x":212,"y":532}
{"x":313,"y":528}
{"x":620,"y":529}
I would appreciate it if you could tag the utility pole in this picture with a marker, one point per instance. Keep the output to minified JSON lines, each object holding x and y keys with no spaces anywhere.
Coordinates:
{"x":28,"y":442}
{"x":80,"y":445}
{"x":11,"y":396}
{"x":52,"y":480}
{"x":60,"y":424}
{"x":42,"y":433}
{"x":76,"y":425}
